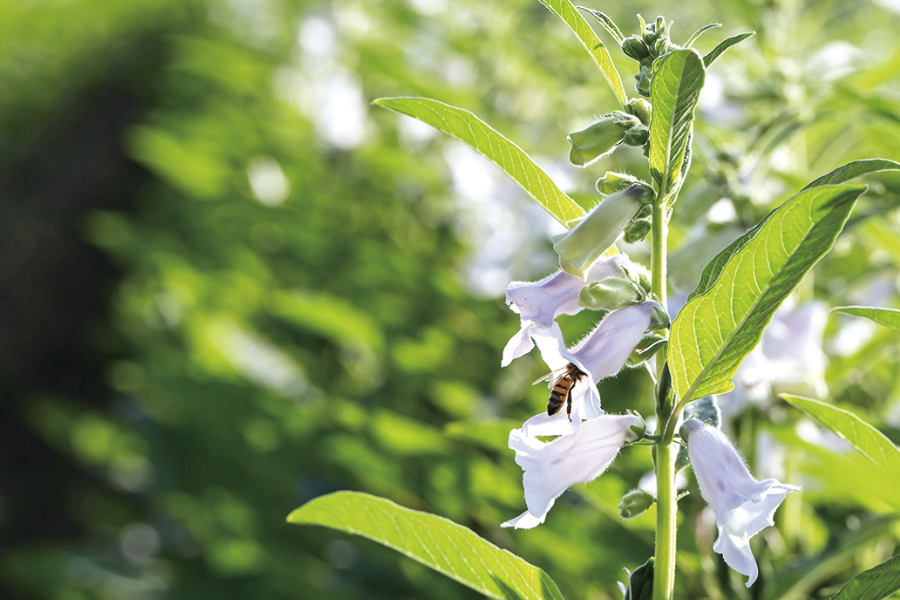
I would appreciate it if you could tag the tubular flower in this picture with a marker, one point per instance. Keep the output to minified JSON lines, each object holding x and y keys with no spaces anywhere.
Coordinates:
{"x":743,"y":505}
{"x":579,"y":457}
{"x":538,"y":303}
{"x":599,"y":355}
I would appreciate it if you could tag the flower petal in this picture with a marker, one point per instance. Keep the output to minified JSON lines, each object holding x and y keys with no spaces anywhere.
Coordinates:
{"x":604,"y":351}
{"x":518,"y":345}
{"x":552,"y":467}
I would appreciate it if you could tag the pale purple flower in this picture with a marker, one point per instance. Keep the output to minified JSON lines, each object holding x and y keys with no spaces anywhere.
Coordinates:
{"x":743,"y":505}
{"x":538,"y":303}
{"x":551,"y":467}
{"x":602,"y":353}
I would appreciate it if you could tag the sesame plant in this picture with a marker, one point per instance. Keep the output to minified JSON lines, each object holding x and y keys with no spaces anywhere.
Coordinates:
{"x":692,"y":356}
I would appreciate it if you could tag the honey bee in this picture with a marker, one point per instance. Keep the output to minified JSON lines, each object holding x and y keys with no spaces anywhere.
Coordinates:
{"x":564,"y":379}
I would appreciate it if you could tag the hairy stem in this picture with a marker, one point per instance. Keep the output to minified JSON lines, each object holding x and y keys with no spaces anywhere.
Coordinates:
{"x":666,"y":451}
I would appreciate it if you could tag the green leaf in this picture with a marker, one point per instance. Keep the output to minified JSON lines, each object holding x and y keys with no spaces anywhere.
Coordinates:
{"x":438,"y":543}
{"x":640,"y":583}
{"x":843,"y":173}
{"x":674,"y":91}
{"x":859,"y":434}
{"x":725,"y":45}
{"x":876,"y":583}
{"x":882,"y":316}
{"x":721,"y":325}
{"x":468,"y":128}
{"x":854,"y":169}
{"x":492,"y":434}
{"x":567,"y":12}
{"x":608,"y":24}
{"x":700,"y":32}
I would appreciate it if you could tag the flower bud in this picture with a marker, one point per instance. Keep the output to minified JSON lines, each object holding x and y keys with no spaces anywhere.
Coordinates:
{"x":637,"y":136}
{"x":634,"y":47}
{"x":635,"y":503}
{"x":610,"y":294}
{"x":637,"y":230}
{"x":643,"y":81}
{"x":597,"y":231}
{"x":599,"y":138}
{"x":639,"y":108}
{"x":613,"y":182}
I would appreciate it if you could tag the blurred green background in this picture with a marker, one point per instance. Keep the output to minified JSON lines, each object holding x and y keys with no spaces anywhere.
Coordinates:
{"x":229,"y":284}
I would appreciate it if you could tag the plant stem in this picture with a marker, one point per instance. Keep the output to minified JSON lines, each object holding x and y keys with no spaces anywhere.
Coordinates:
{"x":666,"y":451}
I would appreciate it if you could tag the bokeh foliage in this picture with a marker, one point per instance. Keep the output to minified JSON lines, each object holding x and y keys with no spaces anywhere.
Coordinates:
{"x":230,"y":285}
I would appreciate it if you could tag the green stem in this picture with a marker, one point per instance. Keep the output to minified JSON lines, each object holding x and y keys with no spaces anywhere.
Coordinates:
{"x":666,"y":451}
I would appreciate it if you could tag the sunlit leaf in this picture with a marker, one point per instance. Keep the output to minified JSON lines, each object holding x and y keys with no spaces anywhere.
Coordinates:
{"x":848,"y":426}
{"x":468,"y":128}
{"x":883,"y":316}
{"x":674,"y":91}
{"x":725,"y":45}
{"x":607,"y":23}
{"x":700,"y":32}
{"x":876,"y":583}
{"x":854,"y":169}
{"x":438,"y":543}
{"x":840,"y":175}
{"x":567,"y":12}
{"x":720,"y":325}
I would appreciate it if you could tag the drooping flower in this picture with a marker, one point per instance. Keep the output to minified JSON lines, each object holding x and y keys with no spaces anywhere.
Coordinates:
{"x":743,"y":505}
{"x":551,"y":467}
{"x":602,"y":353}
{"x":538,"y":303}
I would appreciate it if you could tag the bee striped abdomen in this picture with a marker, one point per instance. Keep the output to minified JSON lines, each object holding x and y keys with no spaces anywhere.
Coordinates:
{"x":562,"y":386}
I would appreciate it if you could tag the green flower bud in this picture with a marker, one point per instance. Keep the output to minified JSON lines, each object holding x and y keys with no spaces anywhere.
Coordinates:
{"x":645,"y":349}
{"x":597,"y":231}
{"x":662,"y":46}
{"x":637,"y":230}
{"x":639,"y":108}
{"x":637,"y":136}
{"x":613,"y":182}
{"x":643,"y":81}
{"x":635,"y":503}
{"x":600,"y":138}
{"x":634,"y":47}
{"x":610,"y":294}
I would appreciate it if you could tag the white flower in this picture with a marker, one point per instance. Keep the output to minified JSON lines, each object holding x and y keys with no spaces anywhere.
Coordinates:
{"x":552,"y":467}
{"x":599,"y":355}
{"x":538,"y":303}
{"x":743,"y":505}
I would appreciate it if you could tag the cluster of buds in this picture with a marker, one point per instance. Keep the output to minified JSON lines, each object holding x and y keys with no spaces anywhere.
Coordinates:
{"x":606,"y":133}
{"x":645,"y":48}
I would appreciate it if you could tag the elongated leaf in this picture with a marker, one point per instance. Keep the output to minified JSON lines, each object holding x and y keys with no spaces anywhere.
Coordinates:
{"x":468,"y":128}
{"x":882,"y":316}
{"x":876,"y":583}
{"x":859,"y":434}
{"x":840,"y":175}
{"x":718,"y":328}
{"x":438,"y":543}
{"x":725,"y":45}
{"x":608,"y":24}
{"x":700,"y":32}
{"x":570,"y":15}
{"x":674,"y":91}
{"x":854,"y":169}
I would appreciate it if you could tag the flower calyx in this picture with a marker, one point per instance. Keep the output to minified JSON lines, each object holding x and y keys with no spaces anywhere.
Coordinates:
{"x":601,"y":137}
